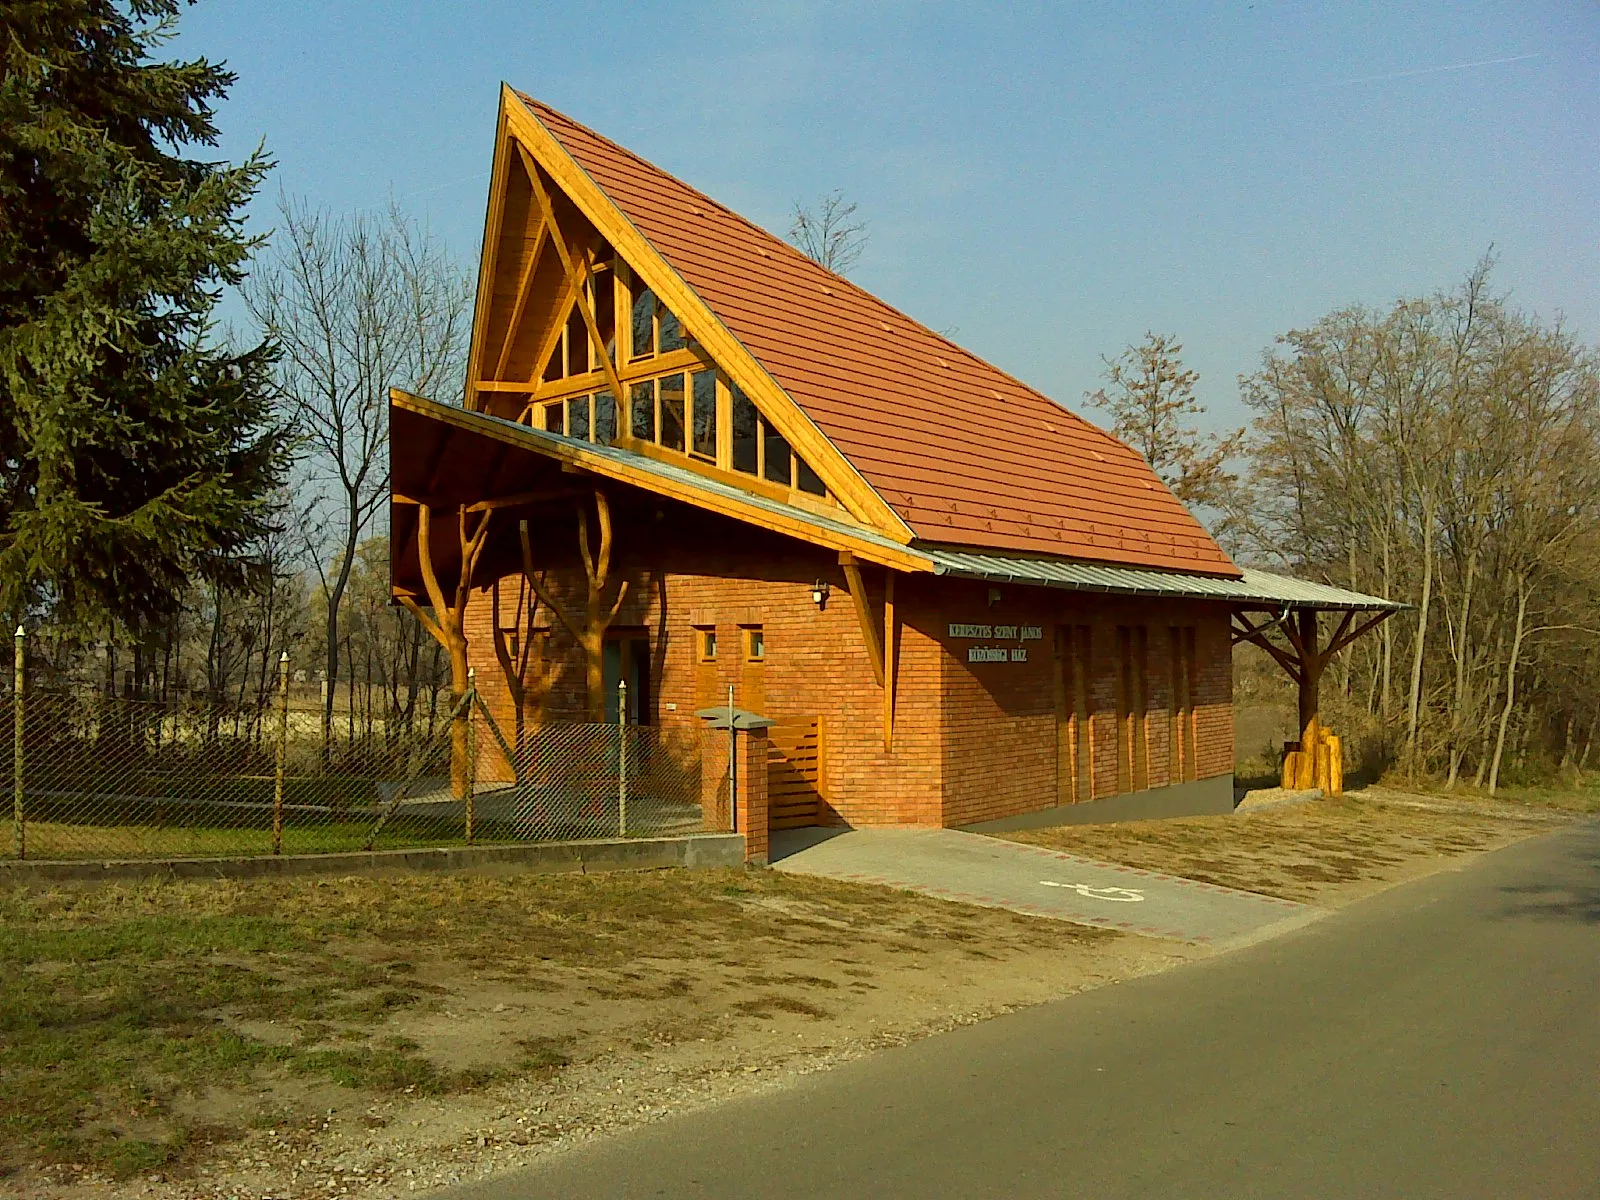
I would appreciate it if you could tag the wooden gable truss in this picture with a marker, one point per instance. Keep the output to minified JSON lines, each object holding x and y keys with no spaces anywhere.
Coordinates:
{"x":551,"y":235}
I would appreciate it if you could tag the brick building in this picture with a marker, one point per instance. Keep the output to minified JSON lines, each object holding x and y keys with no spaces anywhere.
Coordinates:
{"x":729,"y":468}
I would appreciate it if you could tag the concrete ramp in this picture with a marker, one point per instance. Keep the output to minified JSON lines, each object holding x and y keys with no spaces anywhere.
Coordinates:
{"x":974,"y":869}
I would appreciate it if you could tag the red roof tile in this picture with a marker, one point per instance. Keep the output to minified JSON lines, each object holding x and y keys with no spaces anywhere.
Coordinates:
{"x":964,"y":453}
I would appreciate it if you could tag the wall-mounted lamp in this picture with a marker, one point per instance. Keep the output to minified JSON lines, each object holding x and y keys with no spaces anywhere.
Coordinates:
{"x":819,"y":593}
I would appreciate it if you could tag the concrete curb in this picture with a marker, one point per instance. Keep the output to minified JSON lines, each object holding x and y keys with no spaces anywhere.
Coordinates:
{"x":614,"y":854}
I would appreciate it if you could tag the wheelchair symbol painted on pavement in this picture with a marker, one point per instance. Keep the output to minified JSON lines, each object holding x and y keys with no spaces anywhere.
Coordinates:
{"x":1121,"y":895}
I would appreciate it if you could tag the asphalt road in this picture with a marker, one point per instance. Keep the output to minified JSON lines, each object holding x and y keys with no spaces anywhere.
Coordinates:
{"x":1442,"y":1039}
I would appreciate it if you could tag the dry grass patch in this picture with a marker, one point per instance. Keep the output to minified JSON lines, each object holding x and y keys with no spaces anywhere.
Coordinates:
{"x":1317,"y":852}
{"x":130,"y":1015}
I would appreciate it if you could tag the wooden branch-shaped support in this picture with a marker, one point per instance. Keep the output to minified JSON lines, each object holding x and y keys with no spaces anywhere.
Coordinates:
{"x":445,"y":625}
{"x":590,"y":633}
{"x":881,"y":650}
{"x":1316,"y":760}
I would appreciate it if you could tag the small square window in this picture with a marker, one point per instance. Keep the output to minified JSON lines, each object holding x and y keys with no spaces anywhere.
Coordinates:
{"x":555,"y":417}
{"x":755,"y":644}
{"x":708,"y":644}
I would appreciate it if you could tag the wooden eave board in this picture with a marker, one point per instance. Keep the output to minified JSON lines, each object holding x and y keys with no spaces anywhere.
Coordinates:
{"x":666,"y":479}
{"x":960,"y":450}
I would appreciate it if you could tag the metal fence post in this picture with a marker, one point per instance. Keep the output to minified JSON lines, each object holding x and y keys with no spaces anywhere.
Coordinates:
{"x":472,"y":743}
{"x":18,"y":829}
{"x":622,"y":758}
{"x":733,"y":767}
{"x":282,"y":751}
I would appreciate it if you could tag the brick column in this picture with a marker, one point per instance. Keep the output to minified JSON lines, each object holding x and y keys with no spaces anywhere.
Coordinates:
{"x":753,"y":795}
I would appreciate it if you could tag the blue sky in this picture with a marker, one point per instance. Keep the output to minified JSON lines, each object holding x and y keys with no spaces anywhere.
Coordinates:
{"x":1051,"y":180}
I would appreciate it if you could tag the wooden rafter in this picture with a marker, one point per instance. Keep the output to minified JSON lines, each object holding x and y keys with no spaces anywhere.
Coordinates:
{"x":577,"y":270}
{"x":524,"y":287}
{"x":869,"y":627}
{"x":515,"y":500}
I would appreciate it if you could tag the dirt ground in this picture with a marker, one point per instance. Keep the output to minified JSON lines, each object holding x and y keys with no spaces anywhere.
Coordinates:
{"x":373,"y":1037}
{"x":1325,"y":852}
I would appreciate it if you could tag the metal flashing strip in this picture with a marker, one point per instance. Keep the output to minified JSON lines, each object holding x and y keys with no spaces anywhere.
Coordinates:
{"x":1253,"y":587}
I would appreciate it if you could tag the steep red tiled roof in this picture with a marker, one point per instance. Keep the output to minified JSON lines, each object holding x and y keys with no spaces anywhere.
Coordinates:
{"x":964,"y":453}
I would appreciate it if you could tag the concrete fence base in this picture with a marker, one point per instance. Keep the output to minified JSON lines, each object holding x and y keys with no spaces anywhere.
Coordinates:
{"x":611,"y":854}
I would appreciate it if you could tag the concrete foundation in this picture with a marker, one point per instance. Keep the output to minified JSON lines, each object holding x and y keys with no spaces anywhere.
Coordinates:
{"x":1199,"y":798}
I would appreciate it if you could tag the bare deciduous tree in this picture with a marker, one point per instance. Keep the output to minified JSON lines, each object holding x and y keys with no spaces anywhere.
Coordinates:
{"x":1149,"y":396}
{"x":829,"y":232}
{"x":358,"y":305}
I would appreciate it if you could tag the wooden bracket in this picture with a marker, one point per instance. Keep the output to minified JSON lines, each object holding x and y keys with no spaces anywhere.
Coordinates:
{"x":881,"y":650}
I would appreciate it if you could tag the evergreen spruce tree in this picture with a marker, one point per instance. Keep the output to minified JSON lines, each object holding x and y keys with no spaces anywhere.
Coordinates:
{"x":136,"y":453}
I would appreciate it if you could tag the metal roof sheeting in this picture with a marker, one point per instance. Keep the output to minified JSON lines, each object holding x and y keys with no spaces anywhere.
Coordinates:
{"x":1256,"y":587}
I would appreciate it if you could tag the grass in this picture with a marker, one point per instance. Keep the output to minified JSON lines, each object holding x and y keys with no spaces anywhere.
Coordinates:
{"x":118,"y":1003}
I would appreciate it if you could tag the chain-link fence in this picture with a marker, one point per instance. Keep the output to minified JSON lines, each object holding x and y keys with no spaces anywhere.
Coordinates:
{"x":107,"y":777}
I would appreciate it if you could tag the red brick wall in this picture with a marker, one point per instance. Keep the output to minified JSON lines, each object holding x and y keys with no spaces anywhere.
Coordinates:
{"x":972,"y":741}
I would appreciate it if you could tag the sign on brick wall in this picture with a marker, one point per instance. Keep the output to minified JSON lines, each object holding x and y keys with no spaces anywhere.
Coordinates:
{"x":959,"y":631}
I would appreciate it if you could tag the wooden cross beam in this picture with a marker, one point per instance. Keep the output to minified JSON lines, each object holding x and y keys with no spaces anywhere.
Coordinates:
{"x":577,"y":271}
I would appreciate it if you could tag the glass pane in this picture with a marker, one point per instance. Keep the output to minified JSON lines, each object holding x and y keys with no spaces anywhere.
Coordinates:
{"x":745,"y":430}
{"x":672,"y":412}
{"x":577,"y":345}
{"x":578,"y":417}
{"x":605,"y":316}
{"x":671,"y":330}
{"x":644,"y":311}
{"x":605,"y":418}
{"x":806,"y":479}
{"x":642,"y":417}
{"x":705,"y":412}
{"x":555,"y":417}
{"x":552,"y":368}
{"x":779,"y":466}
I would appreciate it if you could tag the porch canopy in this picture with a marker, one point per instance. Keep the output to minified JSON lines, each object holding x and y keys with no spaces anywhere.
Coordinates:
{"x":465,"y":464}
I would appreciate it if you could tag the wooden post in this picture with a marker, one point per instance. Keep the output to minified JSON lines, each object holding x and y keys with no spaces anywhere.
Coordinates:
{"x":1310,"y":675}
{"x":888,"y":661}
{"x":19,"y":841}
{"x":622,"y":758}
{"x":281,"y":752}
{"x":472,"y":744}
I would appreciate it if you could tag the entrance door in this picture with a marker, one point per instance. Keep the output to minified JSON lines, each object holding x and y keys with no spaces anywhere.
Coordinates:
{"x":626,"y":656}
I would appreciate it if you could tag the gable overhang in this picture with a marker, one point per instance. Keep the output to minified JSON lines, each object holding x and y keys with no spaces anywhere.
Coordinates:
{"x":523,"y":141}
{"x":441,"y":454}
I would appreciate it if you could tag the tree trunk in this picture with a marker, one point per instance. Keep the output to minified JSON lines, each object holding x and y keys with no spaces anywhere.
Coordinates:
{"x":1511,"y":683}
{"x":1414,"y":702}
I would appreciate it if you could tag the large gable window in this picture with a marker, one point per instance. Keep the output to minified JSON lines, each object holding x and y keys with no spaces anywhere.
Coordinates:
{"x":695,"y":410}
{"x":704,"y":443}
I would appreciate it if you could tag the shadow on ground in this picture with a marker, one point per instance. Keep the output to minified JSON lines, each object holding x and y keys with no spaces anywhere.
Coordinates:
{"x":1574,"y":901}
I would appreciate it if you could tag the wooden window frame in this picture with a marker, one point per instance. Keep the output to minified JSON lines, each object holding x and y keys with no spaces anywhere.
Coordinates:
{"x":705,"y":643}
{"x":751,"y":635}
